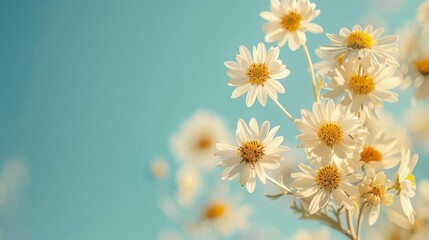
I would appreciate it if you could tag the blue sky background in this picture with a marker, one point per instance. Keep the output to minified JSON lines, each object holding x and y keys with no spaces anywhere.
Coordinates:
{"x":91,"y":90}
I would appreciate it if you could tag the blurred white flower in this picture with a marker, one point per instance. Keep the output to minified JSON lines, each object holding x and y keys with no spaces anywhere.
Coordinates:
{"x":329,"y":130}
{"x":414,"y":57}
{"x":420,"y":73}
{"x":365,"y":45}
{"x":397,"y":228}
{"x":289,"y":20}
{"x":408,"y":37}
{"x":290,"y":165}
{"x":258,"y":149}
{"x":195,"y":143}
{"x":373,"y":190}
{"x":305,"y":234}
{"x":224,"y":214}
{"x":159,"y":168}
{"x":403,"y":229}
{"x":423,"y":15}
{"x":417,"y":120}
{"x":422,"y":201}
{"x":169,"y":235}
{"x":14,"y":176}
{"x":188,"y":182}
{"x":257,"y":75}
{"x":388,"y":123}
{"x":169,"y":207}
{"x":408,"y":48}
{"x":388,"y":6}
{"x":325,"y":181}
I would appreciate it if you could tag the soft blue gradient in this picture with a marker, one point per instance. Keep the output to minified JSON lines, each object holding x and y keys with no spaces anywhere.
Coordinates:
{"x":91,"y":90}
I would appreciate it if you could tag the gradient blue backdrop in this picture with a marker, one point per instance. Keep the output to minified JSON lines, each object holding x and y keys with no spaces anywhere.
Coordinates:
{"x":90,"y":91}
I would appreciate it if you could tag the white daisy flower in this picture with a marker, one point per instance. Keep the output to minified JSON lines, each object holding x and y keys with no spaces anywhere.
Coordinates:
{"x":405,"y":184}
{"x":324,"y":181}
{"x":363,"y":88}
{"x":289,"y":20}
{"x":224,"y":215}
{"x":195,"y":143}
{"x":257,"y":149}
{"x":423,"y":15}
{"x":374,"y":191}
{"x":257,"y":75}
{"x":379,"y":151}
{"x":362,"y":44}
{"x":329,"y":130}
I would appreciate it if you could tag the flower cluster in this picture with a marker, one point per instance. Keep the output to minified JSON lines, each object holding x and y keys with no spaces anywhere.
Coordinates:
{"x":348,"y":159}
{"x":194,"y":146}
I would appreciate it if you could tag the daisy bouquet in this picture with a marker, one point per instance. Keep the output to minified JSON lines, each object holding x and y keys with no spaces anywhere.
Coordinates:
{"x":353,"y":166}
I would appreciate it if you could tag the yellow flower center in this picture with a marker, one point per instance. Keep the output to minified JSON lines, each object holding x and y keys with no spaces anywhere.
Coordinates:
{"x":257,"y":73}
{"x":362,"y":84}
{"x":215,"y":210}
{"x":291,"y":21}
{"x":359,"y":40}
{"x":422,"y":66}
{"x":419,"y":225}
{"x":369,"y":154}
{"x":328,"y":178}
{"x":251,"y":152}
{"x":411,"y":178}
{"x":377,"y":192}
{"x":330,"y":133}
{"x":204,"y":143}
{"x":397,"y":185}
{"x":395,"y":235}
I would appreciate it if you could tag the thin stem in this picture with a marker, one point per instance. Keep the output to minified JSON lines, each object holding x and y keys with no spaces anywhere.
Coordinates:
{"x":284,"y":110}
{"x":359,"y":223}
{"x":323,"y":218}
{"x":338,"y":215}
{"x":350,"y":223}
{"x":282,"y":186}
{"x":313,"y":78}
